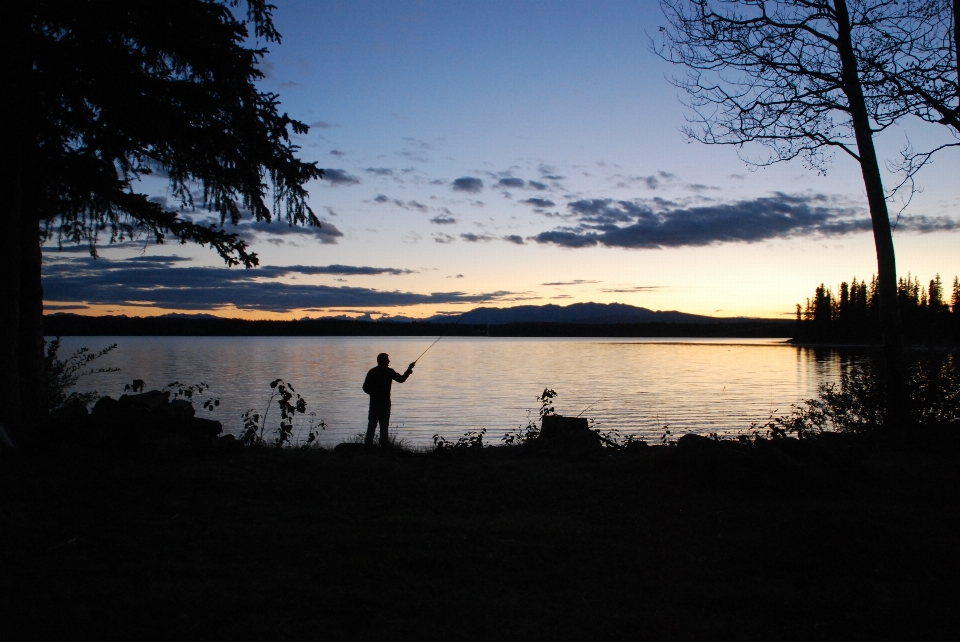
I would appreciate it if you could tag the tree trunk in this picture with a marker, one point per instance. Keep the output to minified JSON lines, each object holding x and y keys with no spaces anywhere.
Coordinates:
{"x":891,"y":327}
{"x":10,"y":414}
{"x":15,"y":141}
{"x":33,"y":403}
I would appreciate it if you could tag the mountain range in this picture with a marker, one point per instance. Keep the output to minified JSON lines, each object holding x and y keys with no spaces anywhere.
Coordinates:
{"x":584,"y":313}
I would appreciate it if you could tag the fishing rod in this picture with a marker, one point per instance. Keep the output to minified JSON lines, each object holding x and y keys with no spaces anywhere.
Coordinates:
{"x":443,"y":334}
{"x":594,"y":404}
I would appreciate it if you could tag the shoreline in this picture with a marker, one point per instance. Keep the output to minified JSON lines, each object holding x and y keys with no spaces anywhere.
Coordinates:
{"x":492,"y":545}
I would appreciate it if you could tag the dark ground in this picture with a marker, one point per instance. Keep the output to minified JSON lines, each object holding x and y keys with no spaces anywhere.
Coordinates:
{"x":264,"y":544}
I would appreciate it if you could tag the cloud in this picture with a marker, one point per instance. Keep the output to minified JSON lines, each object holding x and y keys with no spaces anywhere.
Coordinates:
{"x":475,"y":238}
{"x":538,"y":202}
{"x":339,"y":177}
{"x":337,"y":152}
{"x":634,"y":289}
{"x":577,"y":282}
{"x":322,"y":124}
{"x":379,"y":171}
{"x":441,"y":219}
{"x":626,"y":224}
{"x":511,"y":182}
{"x":537,"y":185}
{"x":443,"y":238}
{"x":152,"y":283}
{"x":418,"y":206}
{"x":513,"y":238}
{"x":327,"y":233}
{"x":468,"y":184}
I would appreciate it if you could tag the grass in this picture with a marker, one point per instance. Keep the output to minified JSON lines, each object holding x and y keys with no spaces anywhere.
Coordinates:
{"x":485,"y":545}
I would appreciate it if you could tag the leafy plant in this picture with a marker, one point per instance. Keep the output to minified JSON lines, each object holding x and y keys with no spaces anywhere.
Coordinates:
{"x":472,"y":439}
{"x":531,"y":431}
{"x":856,"y":403}
{"x":179,"y":390}
{"x":290,"y":404}
{"x":62,"y":375}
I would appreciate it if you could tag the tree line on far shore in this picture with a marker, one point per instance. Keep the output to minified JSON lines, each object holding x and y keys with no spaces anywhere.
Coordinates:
{"x":930,"y":313}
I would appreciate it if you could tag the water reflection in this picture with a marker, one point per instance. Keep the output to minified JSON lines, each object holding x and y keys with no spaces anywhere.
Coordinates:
{"x":636,"y":386}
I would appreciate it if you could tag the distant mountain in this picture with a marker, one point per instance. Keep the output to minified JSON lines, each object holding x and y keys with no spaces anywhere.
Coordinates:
{"x":586,"y":313}
{"x":180,"y":315}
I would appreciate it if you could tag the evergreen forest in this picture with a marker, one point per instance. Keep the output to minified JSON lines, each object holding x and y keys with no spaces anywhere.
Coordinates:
{"x":930,"y":313}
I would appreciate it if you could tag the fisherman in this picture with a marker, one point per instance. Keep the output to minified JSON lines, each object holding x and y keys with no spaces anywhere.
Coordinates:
{"x":377,"y":385}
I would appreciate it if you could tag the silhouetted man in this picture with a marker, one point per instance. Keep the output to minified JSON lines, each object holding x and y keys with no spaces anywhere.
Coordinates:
{"x":377,"y":385}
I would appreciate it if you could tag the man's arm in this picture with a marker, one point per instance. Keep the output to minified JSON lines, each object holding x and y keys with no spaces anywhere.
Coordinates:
{"x":400,"y":378}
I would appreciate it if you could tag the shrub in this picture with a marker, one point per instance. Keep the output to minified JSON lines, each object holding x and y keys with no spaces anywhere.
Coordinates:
{"x":62,"y":375}
{"x":290,"y":430}
{"x":856,"y":404}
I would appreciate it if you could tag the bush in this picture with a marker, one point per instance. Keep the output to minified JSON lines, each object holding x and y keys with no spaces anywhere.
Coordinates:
{"x":290,"y":429}
{"x":857,"y":403}
{"x":59,"y":376}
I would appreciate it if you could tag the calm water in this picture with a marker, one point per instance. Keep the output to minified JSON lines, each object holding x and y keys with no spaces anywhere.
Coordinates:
{"x":634,"y":385}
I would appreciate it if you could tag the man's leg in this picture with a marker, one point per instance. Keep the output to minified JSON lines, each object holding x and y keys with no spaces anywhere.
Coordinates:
{"x":372,"y":418}
{"x":384,"y":427}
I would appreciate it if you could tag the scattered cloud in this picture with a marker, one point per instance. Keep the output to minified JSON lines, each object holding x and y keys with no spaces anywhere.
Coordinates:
{"x":476,"y":238}
{"x":322,"y":124}
{"x":250,"y":231}
{"x":511,"y":182}
{"x":468,"y":184}
{"x":339,"y":177}
{"x":537,"y":185}
{"x":379,"y":171}
{"x":443,"y":238}
{"x":380,"y":198}
{"x":634,"y":289}
{"x":441,"y":219}
{"x":513,"y":238}
{"x":627,"y":224}
{"x":337,"y":152}
{"x":538,"y":202}
{"x":153,"y":283}
{"x":577,"y":282}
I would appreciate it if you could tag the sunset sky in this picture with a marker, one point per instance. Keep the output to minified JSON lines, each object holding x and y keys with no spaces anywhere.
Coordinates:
{"x":516,"y":153}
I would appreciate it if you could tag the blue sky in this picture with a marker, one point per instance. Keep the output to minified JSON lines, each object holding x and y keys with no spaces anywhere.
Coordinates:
{"x":516,"y":153}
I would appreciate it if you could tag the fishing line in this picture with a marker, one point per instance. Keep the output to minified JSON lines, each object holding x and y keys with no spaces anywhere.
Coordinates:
{"x":442,"y":335}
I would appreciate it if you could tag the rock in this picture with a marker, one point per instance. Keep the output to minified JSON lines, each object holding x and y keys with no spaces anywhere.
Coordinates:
{"x":227,"y":444}
{"x":151,"y":401}
{"x":178,"y":410}
{"x":208,"y":427}
{"x":636,"y":445}
{"x":696,"y":444}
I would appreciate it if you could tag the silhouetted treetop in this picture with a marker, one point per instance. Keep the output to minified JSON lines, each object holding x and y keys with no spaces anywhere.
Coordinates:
{"x":120,"y":90}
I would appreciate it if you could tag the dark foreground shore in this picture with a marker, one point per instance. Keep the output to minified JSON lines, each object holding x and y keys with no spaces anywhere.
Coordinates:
{"x":267,"y":544}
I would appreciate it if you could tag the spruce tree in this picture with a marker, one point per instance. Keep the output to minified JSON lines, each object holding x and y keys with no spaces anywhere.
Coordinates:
{"x":103,"y":93}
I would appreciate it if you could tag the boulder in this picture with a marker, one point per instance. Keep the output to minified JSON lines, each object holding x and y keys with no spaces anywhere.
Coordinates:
{"x":178,"y":410}
{"x":227,"y":444}
{"x":208,"y":427}
{"x":151,"y":401}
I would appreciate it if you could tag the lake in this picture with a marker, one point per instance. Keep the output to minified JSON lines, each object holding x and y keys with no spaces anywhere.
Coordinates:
{"x":636,"y":386}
